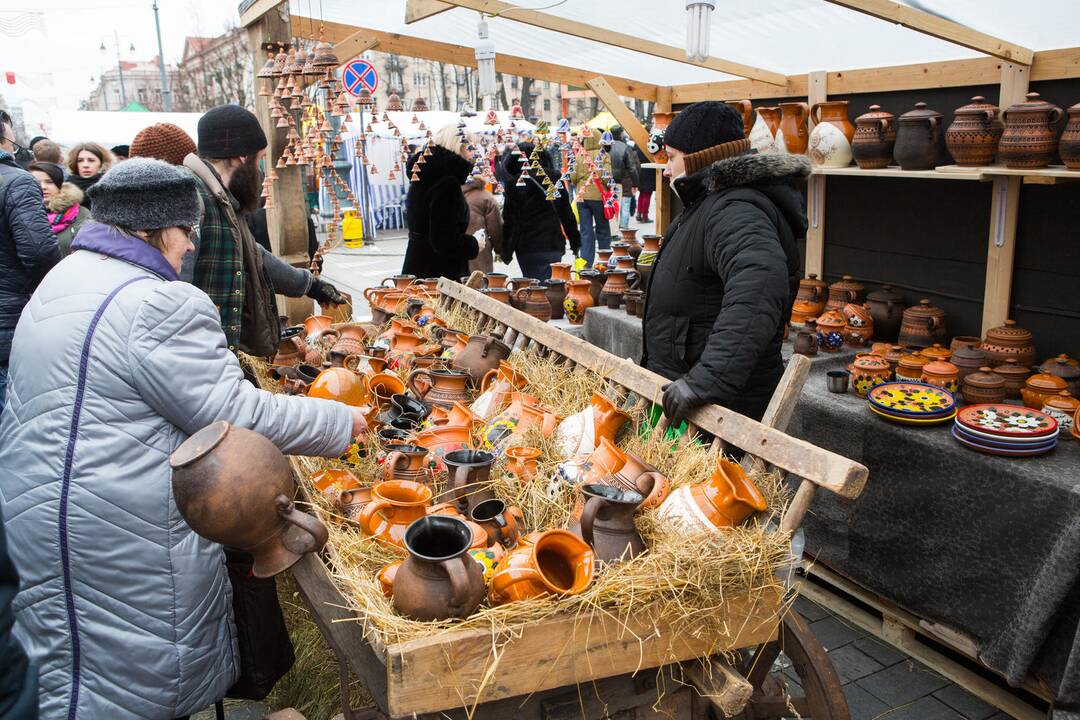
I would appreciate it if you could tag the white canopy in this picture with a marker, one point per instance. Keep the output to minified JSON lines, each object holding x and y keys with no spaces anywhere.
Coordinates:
{"x":785,"y":36}
{"x":70,"y":127}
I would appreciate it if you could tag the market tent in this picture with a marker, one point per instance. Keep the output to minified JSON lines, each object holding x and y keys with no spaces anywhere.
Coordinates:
{"x":603,"y":121}
{"x":68,"y":128}
{"x":134,"y":106}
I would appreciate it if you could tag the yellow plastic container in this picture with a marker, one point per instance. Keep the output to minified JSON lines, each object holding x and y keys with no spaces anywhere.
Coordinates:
{"x":352,"y":228}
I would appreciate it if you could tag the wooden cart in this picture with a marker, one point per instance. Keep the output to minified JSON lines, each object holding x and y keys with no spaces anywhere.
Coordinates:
{"x":606,"y":667}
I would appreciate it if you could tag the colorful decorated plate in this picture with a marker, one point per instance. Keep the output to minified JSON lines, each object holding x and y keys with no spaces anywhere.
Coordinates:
{"x":1008,"y":420}
{"x":978,"y":436}
{"x":906,"y":420}
{"x":1023,"y":452}
{"x":911,"y":398}
{"x":914,"y":416}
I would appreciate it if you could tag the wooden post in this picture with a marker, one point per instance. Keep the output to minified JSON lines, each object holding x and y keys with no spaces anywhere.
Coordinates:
{"x":1004,"y":211}
{"x":663,"y":187}
{"x":815,"y":191}
{"x":286,"y":221}
{"x":622,"y":113}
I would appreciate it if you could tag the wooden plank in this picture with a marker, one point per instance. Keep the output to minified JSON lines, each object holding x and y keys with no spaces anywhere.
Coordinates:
{"x":837,"y":473}
{"x":452,"y":670}
{"x":935,"y":26}
{"x":946,"y":172}
{"x":350,"y":47}
{"x":737,"y":90}
{"x":606,"y":36}
{"x":255,"y":11}
{"x":419,"y":9}
{"x":815,"y":191}
{"x":622,"y":113}
{"x":662,"y":217}
{"x":464,"y":56}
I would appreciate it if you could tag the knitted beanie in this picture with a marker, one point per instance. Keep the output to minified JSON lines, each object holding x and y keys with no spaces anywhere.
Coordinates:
{"x":121,"y":151}
{"x":229,"y":131}
{"x":703,"y":125}
{"x":145,"y":194}
{"x":163,"y":141}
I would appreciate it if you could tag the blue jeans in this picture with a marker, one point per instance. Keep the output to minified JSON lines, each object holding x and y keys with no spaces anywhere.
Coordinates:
{"x":591,"y":215}
{"x":626,"y":204}
{"x":538,"y":265}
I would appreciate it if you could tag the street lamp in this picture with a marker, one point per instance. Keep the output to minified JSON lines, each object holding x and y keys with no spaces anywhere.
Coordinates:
{"x":485,"y":63}
{"x":119,"y":68}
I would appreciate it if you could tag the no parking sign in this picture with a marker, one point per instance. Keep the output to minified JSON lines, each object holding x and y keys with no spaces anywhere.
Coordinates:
{"x":359,"y":74}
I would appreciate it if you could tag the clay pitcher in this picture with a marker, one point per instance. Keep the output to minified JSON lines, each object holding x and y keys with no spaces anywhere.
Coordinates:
{"x":503,"y":425}
{"x":400,"y":282}
{"x":290,"y":350}
{"x":342,"y":385}
{"x":554,"y":562}
{"x":446,"y":386}
{"x":234,"y":487}
{"x":394,"y":506}
{"x":482,"y":355}
{"x":503,"y":523}
{"x":578,"y":300}
{"x":407,"y":462}
{"x":830,"y":140}
{"x":793,"y":118}
{"x":560,"y":271}
{"x":384,"y":386}
{"x":607,"y":522}
{"x":315,"y":325}
{"x":746,"y":111}
{"x":640,"y":476}
{"x":556,"y":293}
{"x":351,"y":339}
{"x":533,"y":301}
{"x":727,"y":498}
{"x":468,"y":484}
{"x":496,"y":280}
{"x":580,"y":433}
{"x":762,"y":134}
{"x":522,"y":462}
{"x":496,"y":389}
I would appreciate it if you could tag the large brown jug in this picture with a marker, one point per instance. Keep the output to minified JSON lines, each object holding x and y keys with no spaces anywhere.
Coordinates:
{"x":533,"y":300}
{"x":468,"y":484}
{"x":407,"y":462}
{"x":482,"y":354}
{"x":793,"y":123}
{"x":830,"y":140}
{"x":607,"y":522}
{"x":445,"y":386}
{"x":1030,"y":133}
{"x":746,"y":112}
{"x":976,"y":130}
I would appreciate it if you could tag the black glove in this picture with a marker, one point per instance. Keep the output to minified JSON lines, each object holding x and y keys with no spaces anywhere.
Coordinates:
{"x":324,"y":293}
{"x":679,"y":400}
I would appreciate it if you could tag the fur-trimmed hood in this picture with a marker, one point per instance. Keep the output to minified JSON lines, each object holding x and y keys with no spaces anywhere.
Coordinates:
{"x":754,"y":169}
{"x":69,"y":195}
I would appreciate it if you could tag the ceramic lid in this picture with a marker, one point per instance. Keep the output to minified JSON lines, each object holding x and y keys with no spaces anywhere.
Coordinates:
{"x":1012,"y":368}
{"x":914,"y":361}
{"x":875,"y":114}
{"x":1044,"y":382}
{"x":923,"y":309}
{"x":1034,"y":103}
{"x":977,"y":106}
{"x":847,"y":282}
{"x":895,"y":352}
{"x":832,"y":318}
{"x":920,"y":113}
{"x":1063,"y":366}
{"x":869,"y":361}
{"x":940,"y":368}
{"x":1064,"y":400}
{"x":985,"y":378}
{"x":885,"y":294}
{"x":937,"y":352}
{"x":1009,"y":334}
{"x":968,"y":356}
{"x":812,"y":281}
{"x":860,"y":311}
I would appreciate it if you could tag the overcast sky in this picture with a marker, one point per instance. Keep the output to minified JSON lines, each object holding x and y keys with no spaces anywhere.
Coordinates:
{"x":53,"y":46}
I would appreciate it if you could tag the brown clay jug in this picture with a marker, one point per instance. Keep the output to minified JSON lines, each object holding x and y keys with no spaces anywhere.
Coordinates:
{"x":234,"y":487}
{"x":614,"y":287}
{"x":407,"y":462}
{"x":580,"y":433}
{"x":468,"y":484}
{"x":556,"y":293}
{"x":445,"y":386}
{"x":793,"y":123}
{"x":533,"y":301}
{"x":560,"y":271}
{"x":496,"y":280}
{"x":503,"y":523}
{"x":1030,"y":136}
{"x":291,"y":347}
{"x":496,"y":390}
{"x":522,"y":462}
{"x":578,"y":300}
{"x":771,"y":116}
{"x":553,"y":562}
{"x":746,"y":112}
{"x":976,"y":130}
{"x":640,"y":476}
{"x":607,"y":522}
{"x":482,"y":354}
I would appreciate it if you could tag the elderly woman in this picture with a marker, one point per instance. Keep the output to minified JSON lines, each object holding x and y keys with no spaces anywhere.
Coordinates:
{"x":125,"y":611}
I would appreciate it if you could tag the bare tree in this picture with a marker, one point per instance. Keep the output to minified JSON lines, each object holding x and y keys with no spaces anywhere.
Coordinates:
{"x":440,"y":68}
{"x":526,"y":96}
{"x":218,"y":74}
{"x":395,"y":71}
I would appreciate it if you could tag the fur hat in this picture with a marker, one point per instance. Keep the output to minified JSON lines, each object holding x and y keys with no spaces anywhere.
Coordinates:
{"x":229,"y":131}
{"x":703,"y":125}
{"x":163,"y":141}
{"x":145,"y":194}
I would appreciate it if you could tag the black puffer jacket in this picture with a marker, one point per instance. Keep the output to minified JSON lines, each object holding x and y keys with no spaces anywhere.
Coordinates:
{"x":724,"y":281}
{"x":647,"y":176}
{"x":28,"y":249}
{"x":438,"y":215}
{"x":531,"y":222}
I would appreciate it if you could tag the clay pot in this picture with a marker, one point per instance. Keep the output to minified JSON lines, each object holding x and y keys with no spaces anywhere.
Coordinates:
{"x":481,"y":355}
{"x":596,"y":280}
{"x":315,"y":325}
{"x":633,"y":299}
{"x":556,"y":293}
{"x":746,"y":111}
{"x":468,"y":484}
{"x":910,"y":367}
{"x":560,"y":271}
{"x":500,"y":427}
{"x":516,"y":284}
{"x":495,"y":280}
{"x":1030,"y":136}
{"x":920,"y":139}
{"x":603,"y":256}
{"x":942,"y":374}
{"x":639,"y":476}
{"x":439,"y":579}
{"x":444,"y":440}
{"x":1009,"y":341}
{"x":887,"y":309}
{"x":368,"y":365}
{"x":533,"y":300}
{"x":1062,"y":407}
{"x":400,"y":282}
{"x":1039,"y":388}
{"x":290,"y":351}
{"x":532,"y":414}
{"x":578,"y":300}
{"x":500,"y":294}
{"x":496,"y":389}
{"x":831,"y":326}
{"x":867,"y":372}
{"x":384,"y":386}
{"x":622,"y":262}
{"x":1069,"y":146}
{"x":392,"y":436}
{"x":445,"y":387}
{"x":803,"y":312}
{"x":830,"y":140}
{"x":334,"y":483}
{"x":1015,"y":376}
{"x":342,"y":385}
{"x":922,"y":326}
{"x":875,"y":135}
{"x":983,"y":386}
{"x":503,"y":523}
{"x":843,"y":291}
{"x":596,"y":467}
{"x":892,"y":356}
{"x":607,"y":522}
{"x":407,"y":348}
{"x":1065,"y":368}
{"x":937,"y":352}
{"x":968,"y":360}
{"x":394,"y":506}
{"x":407,"y":462}
{"x":976,"y":130}
{"x":651,"y":244}
{"x":806,"y":341}
{"x":960,"y":341}
{"x":522,"y":462}
{"x":233,"y":486}
{"x":793,"y":124}
{"x":726,"y":499}
{"x":297,"y":380}
{"x":580,"y":433}
{"x":349,"y":339}
{"x":860,"y":325}
{"x":614,"y":287}
{"x":813,"y":290}
{"x":553,"y":562}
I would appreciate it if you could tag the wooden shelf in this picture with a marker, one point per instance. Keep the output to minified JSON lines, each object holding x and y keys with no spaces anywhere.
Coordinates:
{"x":895,"y":172}
{"x":1043,"y":176}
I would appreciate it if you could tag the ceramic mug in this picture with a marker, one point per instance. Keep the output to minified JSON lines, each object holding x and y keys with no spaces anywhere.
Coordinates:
{"x":501,"y":522}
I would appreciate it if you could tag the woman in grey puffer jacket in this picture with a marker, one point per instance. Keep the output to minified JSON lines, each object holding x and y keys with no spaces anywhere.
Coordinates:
{"x":125,"y":611}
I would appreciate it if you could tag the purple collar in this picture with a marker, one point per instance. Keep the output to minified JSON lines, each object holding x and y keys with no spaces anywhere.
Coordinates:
{"x":108,"y":240}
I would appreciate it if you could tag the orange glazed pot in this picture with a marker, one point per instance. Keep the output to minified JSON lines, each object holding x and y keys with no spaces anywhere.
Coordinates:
{"x":727,"y":498}
{"x":578,"y":300}
{"x":394,"y":506}
{"x":522,"y":462}
{"x":554,"y":562}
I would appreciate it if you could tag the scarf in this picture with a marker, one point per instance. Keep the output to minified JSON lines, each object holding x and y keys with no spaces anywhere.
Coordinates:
{"x":62,"y":221}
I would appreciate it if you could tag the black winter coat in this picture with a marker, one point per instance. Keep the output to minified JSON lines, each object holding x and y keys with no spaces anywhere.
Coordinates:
{"x":438,"y":216}
{"x":646,"y":176}
{"x":724,"y":281}
{"x":531,"y":222}
{"x":28,"y":248}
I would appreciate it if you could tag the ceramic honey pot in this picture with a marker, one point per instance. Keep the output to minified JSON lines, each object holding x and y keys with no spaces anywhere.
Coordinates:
{"x":875,"y":136}
{"x":910,"y":367}
{"x":1065,"y":368}
{"x":983,"y":386}
{"x":727,"y":498}
{"x":1009,"y":341}
{"x":553,"y":562}
{"x":1062,"y":407}
{"x":937,"y":352}
{"x":868,"y":371}
{"x":942,"y":374}
{"x":1041,"y":387}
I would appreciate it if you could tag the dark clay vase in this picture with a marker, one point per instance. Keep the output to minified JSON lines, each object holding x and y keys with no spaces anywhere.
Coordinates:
{"x":480,"y":356}
{"x":607,"y":522}
{"x":556,"y":293}
{"x":439,"y":579}
{"x":234,"y":487}
{"x":920,"y":140}
{"x":887,"y":310}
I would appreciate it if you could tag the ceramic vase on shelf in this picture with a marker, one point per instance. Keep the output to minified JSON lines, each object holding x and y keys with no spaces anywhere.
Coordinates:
{"x":875,"y":136}
{"x":793,"y":125}
{"x":1030,"y":136}
{"x":920,"y":139}
{"x":976,"y":130}
{"x":830,"y":140}
{"x":763,"y":135}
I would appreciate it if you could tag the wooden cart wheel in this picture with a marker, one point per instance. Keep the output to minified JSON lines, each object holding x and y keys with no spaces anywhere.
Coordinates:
{"x":775,"y":696}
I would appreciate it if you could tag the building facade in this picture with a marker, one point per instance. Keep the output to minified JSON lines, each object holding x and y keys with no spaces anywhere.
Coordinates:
{"x":215,"y":71}
{"x":130,"y":82}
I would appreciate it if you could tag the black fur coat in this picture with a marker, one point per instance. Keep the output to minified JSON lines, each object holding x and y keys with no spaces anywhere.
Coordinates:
{"x":438,"y":215}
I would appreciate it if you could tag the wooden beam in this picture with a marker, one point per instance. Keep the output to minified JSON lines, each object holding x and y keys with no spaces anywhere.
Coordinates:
{"x":817,"y":91}
{"x":663,"y":187}
{"x":420,"y":9}
{"x":355,"y":44}
{"x":939,"y":27}
{"x":256,"y":10}
{"x":623,"y":114}
{"x":464,"y":55}
{"x":566,"y":26}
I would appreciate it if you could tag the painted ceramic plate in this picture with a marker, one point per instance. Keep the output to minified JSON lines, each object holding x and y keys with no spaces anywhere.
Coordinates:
{"x":978,"y":436}
{"x":911,"y":398}
{"x":905,"y":420}
{"x":914,"y":416}
{"x":1009,"y":420}
{"x":1001,"y":451}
